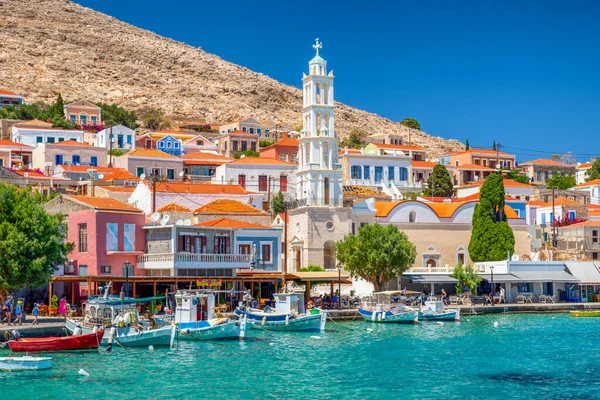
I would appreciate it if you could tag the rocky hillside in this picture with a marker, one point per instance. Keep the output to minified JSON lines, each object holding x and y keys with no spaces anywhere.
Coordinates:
{"x":50,"y":46}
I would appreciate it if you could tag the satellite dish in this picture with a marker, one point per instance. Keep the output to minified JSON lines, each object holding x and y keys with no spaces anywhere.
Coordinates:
{"x":163,"y":222}
{"x":155,"y":216}
{"x":187,"y":222}
{"x":515,"y":257}
{"x":498,"y":166}
{"x":165,"y":218}
{"x":179,"y":222}
{"x":181,"y":173}
{"x":143,"y":176}
{"x":101,"y":176}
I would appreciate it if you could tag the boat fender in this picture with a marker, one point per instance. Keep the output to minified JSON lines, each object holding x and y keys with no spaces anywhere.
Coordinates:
{"x":264,"y":320}
{"x":374,"y":315}
{"x":77,"y":331}
{"x":151,"y":348}
{"x":95,"y":329}
{"x":379,"y":317}
{"x":287,"y":320}
{"x":83,"y":372}
{"x":111,"y":334}
{"x":383,"y":315}
{"x":296,"y":314}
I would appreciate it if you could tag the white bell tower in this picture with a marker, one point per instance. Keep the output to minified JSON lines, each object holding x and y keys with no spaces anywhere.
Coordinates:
{"x":319,"y":175}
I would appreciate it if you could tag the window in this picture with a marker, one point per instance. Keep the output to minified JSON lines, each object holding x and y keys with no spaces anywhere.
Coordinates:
{"x":235,"y":145}
{"x":366,"y":172}
{"x":83,"y":271}
{"x":156,"y":171}
{"x":119,"y":141}
{"x":221,"y":245}
{"x":355,"y":172}
{"x":129,"y":237}
{"x":251,"y":130}
{"x":292,"y":158}
{"x":50,"y":140}
{"x":253,"y":146}
{"x":391,"y":173}
{"x":403,"y":173}
{"x":243,"y":129}
{"x":60,"y":139}
{"x":169,"y":144}
{"x":543,"y":218}
{"x":74,"y":139}
{"x":58,"y":159}
{"x":412,"y":217}
{"x":94,"y":161}
{"x":262,"y":183}
{"x":283,"y":183}
{"x":76,"y":160}
{"x":129,"y":139}
{"x":176,"y":145}
{"x":258,"y":131}
{"x":594,"y":236}
{"x":112,"y":237}
{"x":378,"y":174}
{"x":170,"y":173}
{"x":105,"y":269}
{"x":431,"y":263}
{"x":244,"y":145}
{"x":199,"y":142}
{"x":148,"y":143}
{"x":1,"y":162}
{"x":83,"y":119}
{"x":572,"y":214}
{"x":244,"y":249}
{"x":461,"y":258}
{"x":476,"y":161}
{"x":353,"y":228}
{"x":39,"y":139}
{"x":73,"y":118}
{"x":265,"y":252}
{"x":485,"y":163}
{"x":161,"y":145}
{"x":283,"y":157}
{"x":242,"y":181}
{"x":93,"y":118}
{"x":83,"y":243}
{"x":139,"y":171}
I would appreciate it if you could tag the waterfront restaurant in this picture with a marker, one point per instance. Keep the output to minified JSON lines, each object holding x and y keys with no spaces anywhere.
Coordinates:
{"x":588,"y":288}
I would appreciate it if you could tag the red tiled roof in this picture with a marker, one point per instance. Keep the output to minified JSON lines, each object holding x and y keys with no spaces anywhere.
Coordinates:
{"x":152,"y":153}
{"x":260,"y":160}
{"x":542,"y":161}
{"x":422,"y":164}
{"x":174,"y":207}
{"x":562,"y":201}
{"x":31,"y":174}
{"x":398,"y":147}
{"x":34,"y":123}
{"x":117,"y":188}
{"x":85,"y":168}
{"x":104,"y":203}
{"x":285,"y":142}
{"x":583,"y":224}
{"x":231,"y":223}
{"x":122,"y":174}
{"x":199,"y":188}
{"x":586,"y":165}
{"x":228,"y":206}
{"x":10,"y":143}
{"x":595,"y":182}
{"x":536,"y":203}
{"x":485,"y":151}
{"x":8,"y":92}
{"x":201,"y":155}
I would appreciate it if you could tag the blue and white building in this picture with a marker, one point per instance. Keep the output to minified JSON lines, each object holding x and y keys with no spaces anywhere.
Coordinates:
{"x":170,"y":145}
{"x":123,"y":138}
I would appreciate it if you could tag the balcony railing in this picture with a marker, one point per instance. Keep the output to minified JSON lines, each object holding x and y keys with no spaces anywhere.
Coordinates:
{"x":194,"y":258}
{"x":444,"y":269}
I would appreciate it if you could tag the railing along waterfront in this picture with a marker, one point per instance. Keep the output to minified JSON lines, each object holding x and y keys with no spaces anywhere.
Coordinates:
{"x":194,"y":258}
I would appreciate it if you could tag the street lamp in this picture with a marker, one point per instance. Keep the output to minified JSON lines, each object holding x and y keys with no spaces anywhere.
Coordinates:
{"x":253,"y":262}
{"x":126,"y":273}
{"x":339,"y":268}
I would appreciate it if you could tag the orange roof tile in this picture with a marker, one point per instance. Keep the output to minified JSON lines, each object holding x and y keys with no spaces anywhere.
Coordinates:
{"x":229,"y":206}
{"x":117,"y":188}
{"x":442,"y":210}
{"x":536,"y":203}
{"x":474,"y":167}
{"x":398,"y":147}
{"x":486,"y":151}
{"x":285,"y":142}
{"x":174,"y":207}
{"x":423,"y":164}
{"x":201,"y":155}
{"x":10,"y":143}
{"x":562,"y":201}
{"x":595,"y":182}
{"x":260,"y":160}
{"x":584,"y":224}
{"x":593,"y":214}
{"x":70,"y":143}
{"x":152,"y":153}
{"x":542,"y":161}
{"x":31,"y":174}
{"x":85,"y":168}
{"x":122,"y":175}
{"x":199,"y":188}
{"x":34,"y":123}
{"x":586,"y":165}
{"x":594,"y":207}
{"x":103,"y":203}
{"x":227,"y":223}
{"x":8,"y":92}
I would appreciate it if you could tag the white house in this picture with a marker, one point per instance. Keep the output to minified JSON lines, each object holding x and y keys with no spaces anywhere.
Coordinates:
{"x":257,"y":174}
{"x":34,"y":132}
{"x":592,"y":187}
{"x":562,"y":208}
{"x":123,"y":138}
{"x":517,"y":190}
{"x":581,"y":172}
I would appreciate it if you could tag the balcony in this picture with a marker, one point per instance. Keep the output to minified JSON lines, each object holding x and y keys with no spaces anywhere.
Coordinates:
{"x":433,"y":270}
{"x":193,"y":260}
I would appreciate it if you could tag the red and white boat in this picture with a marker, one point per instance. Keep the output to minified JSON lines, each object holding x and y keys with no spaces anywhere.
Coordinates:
{"x":74,"y":342}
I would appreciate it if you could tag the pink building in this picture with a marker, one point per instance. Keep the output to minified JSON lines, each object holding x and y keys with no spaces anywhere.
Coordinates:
{"x":107,"y":233}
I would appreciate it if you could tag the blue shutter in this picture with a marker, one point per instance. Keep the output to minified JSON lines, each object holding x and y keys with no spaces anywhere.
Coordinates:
{"x":391,"y":173}
{"x":367,"y":172}
{"x":94,"y":161}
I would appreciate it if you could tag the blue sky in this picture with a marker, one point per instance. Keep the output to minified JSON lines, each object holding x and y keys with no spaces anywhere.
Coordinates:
{"x":523,"y":73}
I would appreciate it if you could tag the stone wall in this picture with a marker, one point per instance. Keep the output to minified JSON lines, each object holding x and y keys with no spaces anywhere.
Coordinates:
{"x":6,"y":128}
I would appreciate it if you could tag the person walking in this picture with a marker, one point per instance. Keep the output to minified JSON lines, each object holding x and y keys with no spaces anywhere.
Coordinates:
{"x":502,"y":293}
{"x":8,"y":310}
{"x":62,"y":308}
{"x":18,"y":313}
{"x":35,"y":314}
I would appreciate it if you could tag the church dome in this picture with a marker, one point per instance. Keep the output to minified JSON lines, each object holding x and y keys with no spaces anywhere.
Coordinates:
{"x":317,"y":60}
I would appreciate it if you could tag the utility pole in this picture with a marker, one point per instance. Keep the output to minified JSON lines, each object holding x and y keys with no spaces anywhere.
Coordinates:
{"x":285,"y":237}
{"x":269,"y":194}
{"x":110,"y":147}
{"x":498,"y":154}
{"x":154,"y":179}
{"x":552,"y":222}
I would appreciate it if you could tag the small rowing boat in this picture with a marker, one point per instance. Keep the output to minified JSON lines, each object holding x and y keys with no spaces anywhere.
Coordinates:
{"x":585,"y":313}
{"x":25,"y":363}
{"x":74,"y":342}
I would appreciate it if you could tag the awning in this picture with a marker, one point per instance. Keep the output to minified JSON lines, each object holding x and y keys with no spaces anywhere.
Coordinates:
{"x":328,"y":276}
{"x":500,"y":278}
{"x":430,"y":278}
{"x":585,"y":272}
{"x":544,"y":276}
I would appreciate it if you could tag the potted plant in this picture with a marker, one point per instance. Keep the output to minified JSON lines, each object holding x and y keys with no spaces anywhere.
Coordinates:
{"x":53,"y":309}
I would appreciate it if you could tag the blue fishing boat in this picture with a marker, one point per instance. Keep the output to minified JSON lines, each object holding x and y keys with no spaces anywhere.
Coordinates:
{"x":289,"y":315}
{"x":379,"y":308}
{"x":196,"y":318}
{"x":435,"y":311}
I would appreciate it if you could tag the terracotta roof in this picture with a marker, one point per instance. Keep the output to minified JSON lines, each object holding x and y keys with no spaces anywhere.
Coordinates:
{"x":71,"y":143}
{"x":507,"y":183}
{"x":583,"y":224}
{"x":10,"y":143}
{"x":595,"y":182}
{"x":536,"y":203}
{"x":260,"y":160}
{"x":121,"y":174}
{"x":84,"y":168}
{"x":442,"y":210}
{"x":34,"y":123}
{"x":8,"y":92}
{"x":350,"y":151}
{"x":475,"y":196}
{"x":32,"y":174}
{"x":542,"y":161}
{"x":361,"y":191}
{"x":485,"y":151}
{"x":423,"y":164}
{"x":282,"y":216}
{"x":398,"y":147}
{"x":285,"y":142}
{"x":103,"y":203}
{"x":199,"y":188}
{"x":586,"y":165}
{"x":152,"y":153}
{"x":174,"y":207}
{"x":594,"y":207}
{"x":473,"y":167}
{"x":593,"y":214}
{"x":117,"y":188}
{"x":562,"y":201}
{"x":231,"y":224}
{"x":229,"y":206}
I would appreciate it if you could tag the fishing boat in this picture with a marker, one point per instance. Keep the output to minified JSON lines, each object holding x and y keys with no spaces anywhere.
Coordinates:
{"x":379,"y":308}
{"x":197,"y":319}
{"x":435,"y":311}
{"x":25,"y":363}
{"x":585,"y":314}
{"x":289,"y":315}
{"x":74,"y":342}
{"x":119,"y":317}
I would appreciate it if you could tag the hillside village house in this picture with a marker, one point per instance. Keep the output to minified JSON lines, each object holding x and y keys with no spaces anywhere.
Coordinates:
{"x":35,"y":132}
{"x":385,"y":138}
{"x":107,"y":234}
{"x":422,"y":169}
{"x":123,"y":138}
{"x":50,"y":155}
{"x":249,"y":125}
{"x":151,"y":162}
{"x":83,"y":112}
{"x":540,"y":170}
{"x":170,"y":145}
{"x":8,"y":98}
{"x":201,"y":166}
{"x":258,"y":174}
{"x":581,"y":173}
{"x":199,"y":143}
{"x":14,"y":155}
{"x":591,"y":187}
{"x":284,"y":150}
{"x":581,"y":241}
{"x":236,"y":142}
{"x":475,"y":164}
{"x":149,"y":139}
{"x":82,"y":172}
{"x":232,"y":209}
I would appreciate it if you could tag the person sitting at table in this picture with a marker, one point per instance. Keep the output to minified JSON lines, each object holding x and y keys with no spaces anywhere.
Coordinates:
{"x":489,"y":299}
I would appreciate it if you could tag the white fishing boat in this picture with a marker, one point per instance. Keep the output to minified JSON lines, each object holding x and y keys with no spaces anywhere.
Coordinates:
{"x":289,"y":315}
{"x":380,"y":308}
{"x":197,"y":319}
{"x":25,"y":363}
{"x":436,"y":311}
{"x":121,"y":321}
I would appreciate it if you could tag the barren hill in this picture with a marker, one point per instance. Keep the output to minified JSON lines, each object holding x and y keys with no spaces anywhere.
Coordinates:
{"x":50,"y":46}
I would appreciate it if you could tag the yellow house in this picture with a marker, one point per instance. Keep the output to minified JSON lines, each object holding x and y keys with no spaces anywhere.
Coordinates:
{"x":83,"y":112}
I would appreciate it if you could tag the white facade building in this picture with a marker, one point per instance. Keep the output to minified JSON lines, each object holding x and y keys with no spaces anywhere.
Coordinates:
{"x":35,"y":132}
{"x":123,"y":138}
{"x":592,"y":187}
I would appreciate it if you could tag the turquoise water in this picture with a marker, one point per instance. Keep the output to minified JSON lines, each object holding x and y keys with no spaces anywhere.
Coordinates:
{"x":526,"y":356}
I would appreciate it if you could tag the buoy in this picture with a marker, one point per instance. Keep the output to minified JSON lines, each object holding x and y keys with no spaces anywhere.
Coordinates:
{"x":271,"y":344}
{"x":111,"y":334}
{"x":83,"y":372}
{"x":173,"y":331}
{"x":439,"y":323}
{"x":243,"y":326}
{"x":151,"y":348}
{"x":315,"y":337}
{"x":264,"y":320}
{"x":379,"y":317}
{"x":495,"y":324}
{"x":369,"y":329}
{"x":287,"y":320}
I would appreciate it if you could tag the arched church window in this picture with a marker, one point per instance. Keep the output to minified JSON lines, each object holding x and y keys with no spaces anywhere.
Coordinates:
{"x":431,"y":263}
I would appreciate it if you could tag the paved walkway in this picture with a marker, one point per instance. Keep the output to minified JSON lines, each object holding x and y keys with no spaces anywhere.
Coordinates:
{"x":48,"y":326}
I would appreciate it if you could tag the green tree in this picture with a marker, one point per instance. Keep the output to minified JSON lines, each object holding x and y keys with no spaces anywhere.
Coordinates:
{"x":555,"y":157}
{"x":278,"y":203}
{"x":312,"y":268}
{"x":494,"y":146}
{"x":116,"y":152}
{"x":515,"y":176}
{"x":56,"y":110}
{"x":58,"y":122}
{"x":23,"y":111}
{"x":246,"y":153}
{"x":491,"y":236}
{"x":31,"y":240}
{"x":154,"y":119}
{"x":466,"y":276}
{"x":377,"y":254}
{"x":354,"y":139}
{"x":561,"y":181}
{"x":410,"y":195}
{"x":298,"y":128}
{"x":264,"y":143}
{"x":594,"y":171}
{"x":411,"y":123}
{"x":467,"y":147}
{"x":439,"y":183}
{"x":116,"y":115}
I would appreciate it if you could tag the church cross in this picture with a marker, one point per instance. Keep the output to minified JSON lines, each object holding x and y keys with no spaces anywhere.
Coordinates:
{"x":318,"y":45}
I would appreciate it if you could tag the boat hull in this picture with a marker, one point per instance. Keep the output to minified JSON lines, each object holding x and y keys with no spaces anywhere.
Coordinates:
{"x":75,"y":342}
{"x":279,"y":322}
{"x":25,"y":363}
{"x":449,"y":315}
{"x":587,"y":314}
{"x":204,"y":331}
{"x":406,"y":317}
{"x":129,"y":336}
